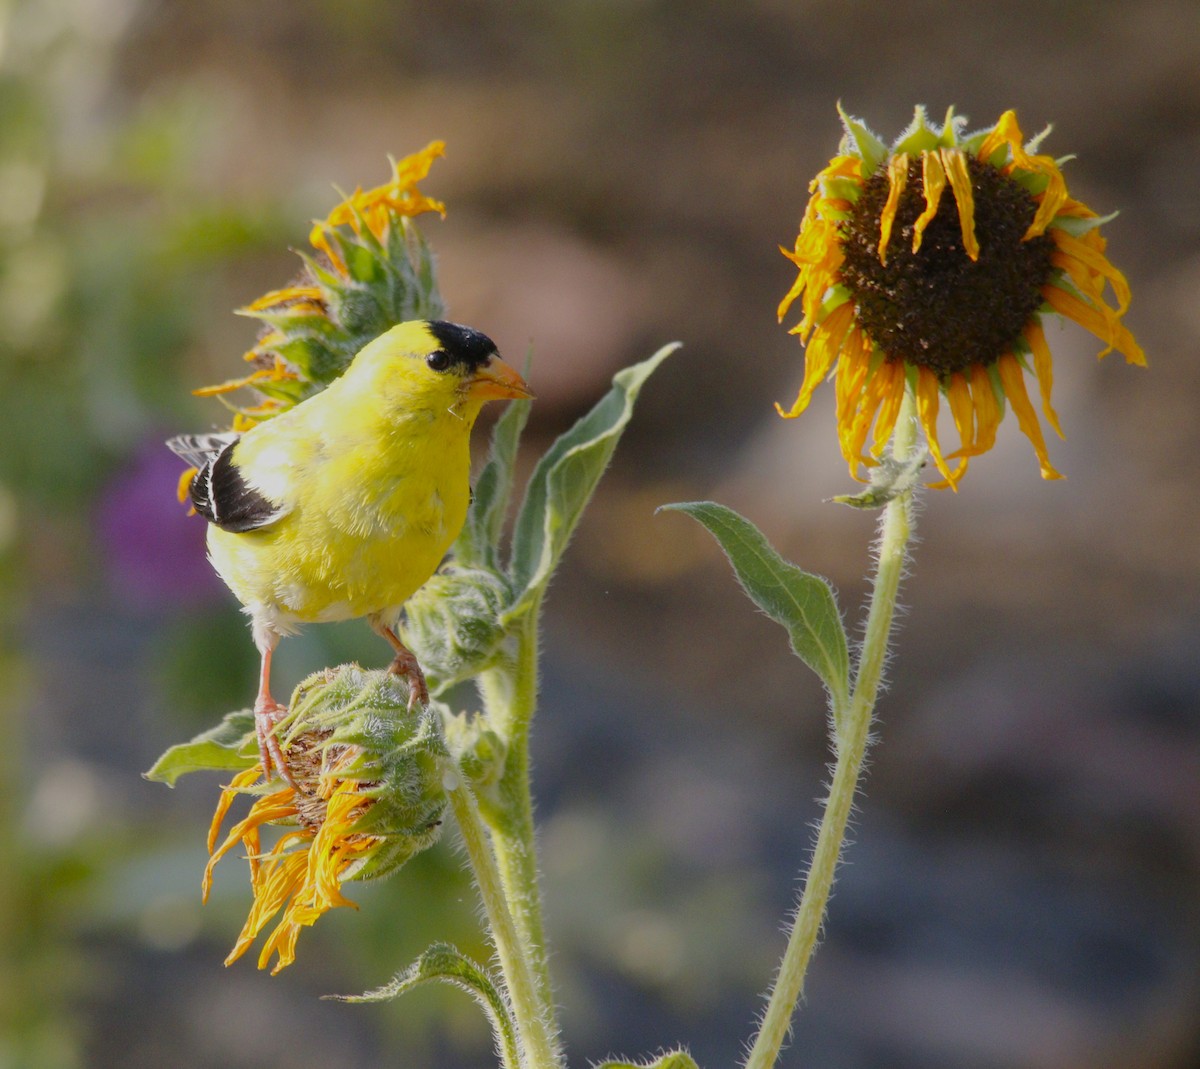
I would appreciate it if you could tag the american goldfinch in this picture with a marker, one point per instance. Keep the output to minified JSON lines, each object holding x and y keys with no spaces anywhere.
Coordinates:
{"x":343,"y":506}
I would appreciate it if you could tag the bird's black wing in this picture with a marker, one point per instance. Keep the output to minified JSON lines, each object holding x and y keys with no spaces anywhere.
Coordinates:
{"x":199,"y":449}
{"x":218,"y":491}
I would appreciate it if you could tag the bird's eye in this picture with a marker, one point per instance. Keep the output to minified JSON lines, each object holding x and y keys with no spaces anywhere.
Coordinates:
{"x":438,"y":360}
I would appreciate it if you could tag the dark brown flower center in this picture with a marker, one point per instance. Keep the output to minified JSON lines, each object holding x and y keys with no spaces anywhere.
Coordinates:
{"x":937,"y":308}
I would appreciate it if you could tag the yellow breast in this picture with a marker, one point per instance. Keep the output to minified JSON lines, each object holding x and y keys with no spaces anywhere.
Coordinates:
{"x":369,"y":527}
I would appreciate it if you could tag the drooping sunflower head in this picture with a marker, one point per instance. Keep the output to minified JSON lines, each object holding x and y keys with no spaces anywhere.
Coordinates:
{"x":927,"y":267}
{"x":369,"y":795}
{"x":370,"y":270}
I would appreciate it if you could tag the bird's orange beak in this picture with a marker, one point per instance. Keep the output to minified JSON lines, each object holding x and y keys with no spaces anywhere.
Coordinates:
{"x":495,"y":381}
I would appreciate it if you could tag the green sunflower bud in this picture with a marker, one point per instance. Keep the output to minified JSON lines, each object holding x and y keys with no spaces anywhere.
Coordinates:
{"x":453,"y":623}
{"x":480,"y":753}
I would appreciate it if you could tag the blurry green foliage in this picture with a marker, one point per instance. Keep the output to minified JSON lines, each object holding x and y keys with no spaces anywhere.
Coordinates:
{"x":108,"y":243}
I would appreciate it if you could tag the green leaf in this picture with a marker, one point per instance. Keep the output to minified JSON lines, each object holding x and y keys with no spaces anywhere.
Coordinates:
{"x":446,"y":964}
{"x":870,"y":148}
{"x":919,"y":136}
{"x":888,"y":481}
{"x":673,"y":1059}
{"x":477,"y":545}
{"x":565,"y":479}
{"x":230,"y":745}
{"x":804,"y":604}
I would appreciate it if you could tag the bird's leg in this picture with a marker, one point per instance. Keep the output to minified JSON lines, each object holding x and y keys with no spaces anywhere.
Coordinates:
{"x":406,"y":666}
{"x":267,"y":714}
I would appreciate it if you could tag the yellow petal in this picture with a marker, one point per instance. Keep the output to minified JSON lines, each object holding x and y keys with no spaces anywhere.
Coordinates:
{"x":795,"y":291}
{"x":288,"y":293}
{"x":933,"y":177}
{"x":870,"y":399}
{"x":822,"y":351}
{"x":1072,"y":249}
{"x":278,"y":806}
{"x":959,"y":177}
{"x":1053,"y":197}
{"x":987,"y":410}
{"x":1012,"y":377}
{"x":278,"y":372}
{"x":897,"y":172}
{"x":851,"y":377}
{"x":927,"y":413}
{"x":1005,"y":132}
{"x":1101,"y":321}
{"x":963,"y":411}
{"x":852,"y":371}
{"x":891,"y":391}
{"x":1043,"y":368}
{"x":184,"y":486}
{"x":319,"y":240}
{"x":282,"y":878}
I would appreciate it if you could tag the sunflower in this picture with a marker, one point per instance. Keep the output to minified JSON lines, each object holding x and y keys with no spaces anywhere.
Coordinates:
{"x":929,"y":267}
{"x":368,"y":795}
{"x":371,"y":270}
{"x":302,"y":874}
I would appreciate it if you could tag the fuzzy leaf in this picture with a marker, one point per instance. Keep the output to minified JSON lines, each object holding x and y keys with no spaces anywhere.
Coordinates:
{"x":803,"y":603}
{"x":228,"y":746}
{"x":565,"y":479}
{"x":446,"y":964}
{"x":673,"y":1059}
{"x":888,"y":481}
{"x":870,"y":148}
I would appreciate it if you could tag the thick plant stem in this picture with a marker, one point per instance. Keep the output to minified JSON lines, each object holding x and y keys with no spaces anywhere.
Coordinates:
{"x":850,"y":744}
{"x":534,"y":1032}
{"x":510,"y":695}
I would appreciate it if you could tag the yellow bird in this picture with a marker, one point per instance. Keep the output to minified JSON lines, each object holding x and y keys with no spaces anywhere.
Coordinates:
{"x":344,"y":505}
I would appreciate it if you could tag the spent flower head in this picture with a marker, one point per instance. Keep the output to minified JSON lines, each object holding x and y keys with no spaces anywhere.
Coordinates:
{"x":369,"y":795}
{"x":929,"y":266}
{"x":372,"y":269}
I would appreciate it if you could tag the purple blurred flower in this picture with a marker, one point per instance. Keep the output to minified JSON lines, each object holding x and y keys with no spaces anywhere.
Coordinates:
{"x":154,"y":551}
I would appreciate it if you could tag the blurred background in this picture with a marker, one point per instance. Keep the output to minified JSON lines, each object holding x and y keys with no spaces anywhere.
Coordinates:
{"x":1022,"y":889}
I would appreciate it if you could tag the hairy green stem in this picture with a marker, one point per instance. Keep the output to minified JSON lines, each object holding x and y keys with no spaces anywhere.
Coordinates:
{"x":510,"y":695}
{"x":534,"y":1031}
{"x":850,"y":744}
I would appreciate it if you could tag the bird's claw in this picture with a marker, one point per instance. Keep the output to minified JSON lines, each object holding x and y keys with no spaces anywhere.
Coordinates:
{"x":407,"y":667}
{"x":266,"y":719}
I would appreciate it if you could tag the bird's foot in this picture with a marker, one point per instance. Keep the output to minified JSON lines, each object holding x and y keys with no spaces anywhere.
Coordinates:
{"x":267,"y":715}
{"x":407,"y":667}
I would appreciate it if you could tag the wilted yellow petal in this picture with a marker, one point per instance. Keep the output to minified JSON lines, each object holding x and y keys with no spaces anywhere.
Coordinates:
{"x":933,"y":177}
{"x":927,"y":413}
{"x":963,"y":411}
{"x":1043,"y":368}
{"x":228,"y":795}
{"x":959,"y":177}
{"x":870,"y":398}
{"x":1006,"y":132}
{"x":288,"y":293}
{"x":891,"y":390}
{"x":278,"y":372}
{"x":1101,"y":321}
{"x":1053,"y":197}
{"x":987,"y":409}
{"x":1012,"y":377}
{"x":1072,"y":252}
{"x":897,"y":173}
{"x":822,"y":351}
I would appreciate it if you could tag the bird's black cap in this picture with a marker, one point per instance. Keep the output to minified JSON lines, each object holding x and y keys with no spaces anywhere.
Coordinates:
{"x":466,"y":347}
